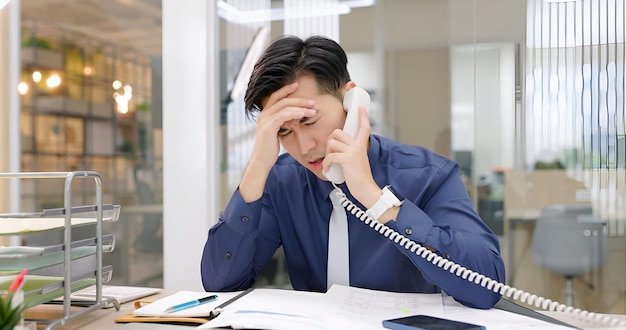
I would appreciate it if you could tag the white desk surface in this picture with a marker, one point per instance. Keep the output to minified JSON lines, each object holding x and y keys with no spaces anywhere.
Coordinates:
{"x":104,"y":319}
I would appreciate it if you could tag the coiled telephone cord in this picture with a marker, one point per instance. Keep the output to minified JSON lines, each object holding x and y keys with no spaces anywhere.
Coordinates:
{"x":470,"y":275}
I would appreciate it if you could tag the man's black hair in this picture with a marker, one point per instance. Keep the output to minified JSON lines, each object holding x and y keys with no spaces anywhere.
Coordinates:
{"x":288,"y":58}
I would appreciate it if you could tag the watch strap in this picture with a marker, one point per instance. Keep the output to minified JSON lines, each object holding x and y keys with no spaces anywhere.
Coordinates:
{"x":386,"y":201}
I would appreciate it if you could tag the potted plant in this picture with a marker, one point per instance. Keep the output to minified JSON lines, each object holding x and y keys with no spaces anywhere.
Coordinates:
{"x":10,"y":310}
{"x":12,"y":303}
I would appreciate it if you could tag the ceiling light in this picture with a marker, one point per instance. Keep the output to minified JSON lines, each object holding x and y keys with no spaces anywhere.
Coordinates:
{"x":4,"y":3}
{"x":235,"y":15}
{"x":252,"y":55}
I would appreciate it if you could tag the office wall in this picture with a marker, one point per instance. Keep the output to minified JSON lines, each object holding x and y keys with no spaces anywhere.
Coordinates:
{"x":418,"y":93}
{"x":190,"y":169}
{"x":416,"y":24}
{"x":9,"y":106}
{"x":4,"y":109}
{"x":4,"y":106}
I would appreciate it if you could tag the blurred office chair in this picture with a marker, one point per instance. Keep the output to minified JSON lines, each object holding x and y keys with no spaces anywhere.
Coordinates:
{"x":149,"y":240}
{"x":570,"y":241}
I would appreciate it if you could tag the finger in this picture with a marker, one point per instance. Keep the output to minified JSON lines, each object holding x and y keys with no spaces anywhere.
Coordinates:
{"x":364,"y":127}
{"x":293,"y":113}
{"x":280,"y":94}
{"x":330,"y":159}
{"x":335,"y":146}
{"x":279,"y":118}
{"x":288,"y":104}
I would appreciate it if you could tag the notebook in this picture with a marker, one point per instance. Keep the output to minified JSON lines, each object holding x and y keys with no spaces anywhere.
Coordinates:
{"x":265,"y":308}
{"x":157,"y":308}
{"x":122,"y":294}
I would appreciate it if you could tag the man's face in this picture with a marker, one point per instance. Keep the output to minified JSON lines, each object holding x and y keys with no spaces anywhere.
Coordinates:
{"x":306,"y":140}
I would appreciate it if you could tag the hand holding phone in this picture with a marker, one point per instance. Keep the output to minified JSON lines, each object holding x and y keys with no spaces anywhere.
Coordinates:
{"x":354,"y":99}
{"x":425,"y":322}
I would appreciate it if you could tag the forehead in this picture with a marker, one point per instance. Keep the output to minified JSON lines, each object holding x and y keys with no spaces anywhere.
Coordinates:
{"x":307,"y":87}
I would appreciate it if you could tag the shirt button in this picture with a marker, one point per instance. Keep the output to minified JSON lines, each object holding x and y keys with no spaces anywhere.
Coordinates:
{"x":229,"y":255}
{"x":244,"y":219}
{"x":408,"y":231}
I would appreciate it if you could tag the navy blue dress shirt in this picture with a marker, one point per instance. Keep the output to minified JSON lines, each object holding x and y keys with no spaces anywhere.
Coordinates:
{"x":295,"y":210}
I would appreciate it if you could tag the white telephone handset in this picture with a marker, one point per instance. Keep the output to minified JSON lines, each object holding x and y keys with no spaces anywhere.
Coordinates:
{"x":354,"y":99}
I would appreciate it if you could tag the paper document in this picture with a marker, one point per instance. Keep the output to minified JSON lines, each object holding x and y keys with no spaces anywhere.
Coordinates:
{"x":342,"y":307}
{"x":494,"y":318}
{"x":366,"y":308}
{"x":273,"y":309}
{"x":158,"y":307}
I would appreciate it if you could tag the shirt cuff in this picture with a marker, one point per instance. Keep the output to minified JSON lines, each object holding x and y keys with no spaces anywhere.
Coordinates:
{"x":240,"y":216}
{"x":414,"y":223}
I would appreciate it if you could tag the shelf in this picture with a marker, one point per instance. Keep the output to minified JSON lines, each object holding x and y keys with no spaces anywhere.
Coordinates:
{"x":42,"y":58}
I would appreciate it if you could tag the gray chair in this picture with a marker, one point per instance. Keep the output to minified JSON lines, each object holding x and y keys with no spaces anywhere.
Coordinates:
{"x":569,"y":241}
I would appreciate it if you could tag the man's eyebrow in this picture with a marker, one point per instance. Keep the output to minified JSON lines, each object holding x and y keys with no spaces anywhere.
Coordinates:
{"x":302,"y":120}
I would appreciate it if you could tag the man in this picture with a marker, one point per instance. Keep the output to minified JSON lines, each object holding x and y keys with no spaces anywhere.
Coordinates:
{"x":297,"y":89}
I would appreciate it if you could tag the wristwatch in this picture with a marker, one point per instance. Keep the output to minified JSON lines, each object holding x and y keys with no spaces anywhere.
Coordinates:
{"x":389,"y":199}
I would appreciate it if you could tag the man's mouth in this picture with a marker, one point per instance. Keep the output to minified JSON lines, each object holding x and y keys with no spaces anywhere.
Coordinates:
{"x":317,"y":164}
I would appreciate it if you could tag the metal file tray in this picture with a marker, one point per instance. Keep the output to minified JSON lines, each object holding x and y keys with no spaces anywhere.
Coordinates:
{"x":81,"y":264}
{"x":40,"y":289}
{"x":15,"y":258}
{"x":49,"y":219}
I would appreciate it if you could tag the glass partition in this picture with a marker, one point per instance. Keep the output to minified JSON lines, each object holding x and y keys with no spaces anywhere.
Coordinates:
{"x":90,"y":100}
{"x":462,"y":78}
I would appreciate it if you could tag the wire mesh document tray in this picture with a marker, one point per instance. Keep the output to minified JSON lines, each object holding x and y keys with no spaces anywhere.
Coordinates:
{"x":59,"y":270}
{"x":37,"y":260}
{"x":40,"y":289}
{"x":49,"y":219}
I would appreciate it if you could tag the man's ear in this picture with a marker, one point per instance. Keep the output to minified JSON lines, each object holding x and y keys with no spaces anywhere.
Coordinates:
{"x":348,"y":86}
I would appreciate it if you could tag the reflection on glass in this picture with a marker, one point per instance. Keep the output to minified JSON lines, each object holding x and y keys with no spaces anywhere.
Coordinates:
{"x":575,"y":96}
{"x":72,"y":120}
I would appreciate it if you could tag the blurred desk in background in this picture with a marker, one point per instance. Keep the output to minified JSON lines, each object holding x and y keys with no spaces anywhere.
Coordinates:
{"x":142,"y":209}
{"x":513,"y":217}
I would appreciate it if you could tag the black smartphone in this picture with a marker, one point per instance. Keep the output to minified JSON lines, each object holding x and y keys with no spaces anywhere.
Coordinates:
{"x":425,"y":322}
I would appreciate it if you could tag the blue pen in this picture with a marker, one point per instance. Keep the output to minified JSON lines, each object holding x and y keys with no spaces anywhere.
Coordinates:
{"x":191,"y":304}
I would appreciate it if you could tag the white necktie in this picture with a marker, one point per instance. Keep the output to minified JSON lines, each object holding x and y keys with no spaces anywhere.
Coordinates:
{"x":338,"y":245}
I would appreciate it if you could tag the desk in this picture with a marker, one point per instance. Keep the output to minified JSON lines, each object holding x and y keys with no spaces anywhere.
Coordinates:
{"x":104,"y":319}
{"x":513,"y":218}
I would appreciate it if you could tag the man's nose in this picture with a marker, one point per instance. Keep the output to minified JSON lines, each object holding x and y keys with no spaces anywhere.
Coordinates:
{"x":306,"y":142}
